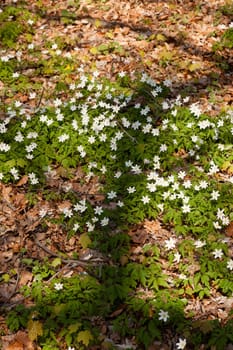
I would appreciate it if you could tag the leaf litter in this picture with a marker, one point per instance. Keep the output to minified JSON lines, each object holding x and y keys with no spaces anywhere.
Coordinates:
{"x":147,"y":34}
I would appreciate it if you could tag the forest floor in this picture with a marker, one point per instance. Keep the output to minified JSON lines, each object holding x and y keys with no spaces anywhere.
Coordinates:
{"x":170,"y":40}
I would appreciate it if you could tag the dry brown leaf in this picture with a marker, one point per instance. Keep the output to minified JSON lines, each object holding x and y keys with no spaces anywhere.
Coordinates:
{"x":25,"y":277}
{"x":6,"y":190}
{"x":22,"y":181}
{"x":229,"y":229}
{"x":18,"y":341}
{"x":15,"y":345}
{"x":23,"y":338}
{"x":152,"y":226}
{"x":138,"y":236}
{"x":20,"y":200}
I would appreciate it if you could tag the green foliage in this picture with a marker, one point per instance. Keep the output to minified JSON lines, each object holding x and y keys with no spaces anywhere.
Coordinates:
{"x":9,"y":32}
{"x":153,"y":158}
{"x":227,"y":39}
{"x":227,"y":9}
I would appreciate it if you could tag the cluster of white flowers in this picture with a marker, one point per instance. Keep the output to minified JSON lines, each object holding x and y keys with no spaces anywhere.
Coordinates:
{"x":33,"y":178}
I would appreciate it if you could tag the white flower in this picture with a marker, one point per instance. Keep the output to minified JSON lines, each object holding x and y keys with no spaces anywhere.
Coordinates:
{"x":15,"y":173}
{"x":120,"y":204}
{"x":3,"y":128}
{"x":31,"y":46}
{"x":182,"y":276}
{"x":165,"y":105}
{"x":4,"y":147}
{"x":76,"y":227}
{"x":136,"y":169}
{"x":32,"y":135}
{"x":131,"y":189}
{"x":15,"y":75}
{"x":181,"y":344}
{"x":217,"y":253}
{"x":175,"y":186}
{"x":111,"y":195}
{"x":67,"y":212}
{"x":59,"y":117}
{"x":128,"y":163}
{"x":203,"y":184}
{"x":230,"y":264}
{"x":30,"y":148}
{"x":104,"y":222}
{"x":57,"y":102}
{"x":98,"y":210}
{"x":195,"y":109}
{"x":177,"y":257}
{"x":152,"y":186}
{"x":135,"y":125}
{"x":220,"y":214}
{"x":1,"y":176}
{"x":170,"y":243}
{"x":33,"y":179}
{"x":118,"y":174}
{"x":187,"y":184}
{"x":63,"y":137}
{"x":43,"y":212}
{"x":90,"y":227}
{"x":58,"y":286}
{"x":163,"y":315}
{"x":122,"y":74}
{"x":155,"y":132}
{"x":186,"y":208}
{"x":161,"y":207}
{"x":145,"y":199}
{"x":181,"y":175}
{"x":217,"y":225}
{"x":214,"y":195}
{"x":18,"y":103}
{"x":213,"y":169}
{"x":29,"y":156}
{"x":163,"y":148}
{"x":194,"y":138}
{"x":70,"y":348}
{"x":204,"y":124}
{"x":199,"y":243}
{"x":91,"y":139}
{"x":103,"y":169}
{"x":167,"y":82}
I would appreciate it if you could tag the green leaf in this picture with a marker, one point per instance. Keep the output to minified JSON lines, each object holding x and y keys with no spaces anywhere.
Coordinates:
{"x":84,"y":240}
{"x":56,"y":262}
{"x":194,"y":66}
{"x":84,"y":337}
{"x":35,"y":329}
{"x":94,"y":51}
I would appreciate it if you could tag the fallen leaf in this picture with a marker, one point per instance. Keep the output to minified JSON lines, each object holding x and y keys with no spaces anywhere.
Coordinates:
{"x":6,"y":190}
{"x":15,"y":345}
{"x":25,"y":277}
{"x":229,"y":230}
{"x":22,"y":181}
{"x":23,"y":338}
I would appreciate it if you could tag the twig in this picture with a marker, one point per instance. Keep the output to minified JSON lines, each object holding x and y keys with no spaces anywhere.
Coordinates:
{"x":41,"y":96}
{"x":15,"y":288}
{"x":60,"y":270}
{"x":92,"y":262}
{"x":126,"y":132}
